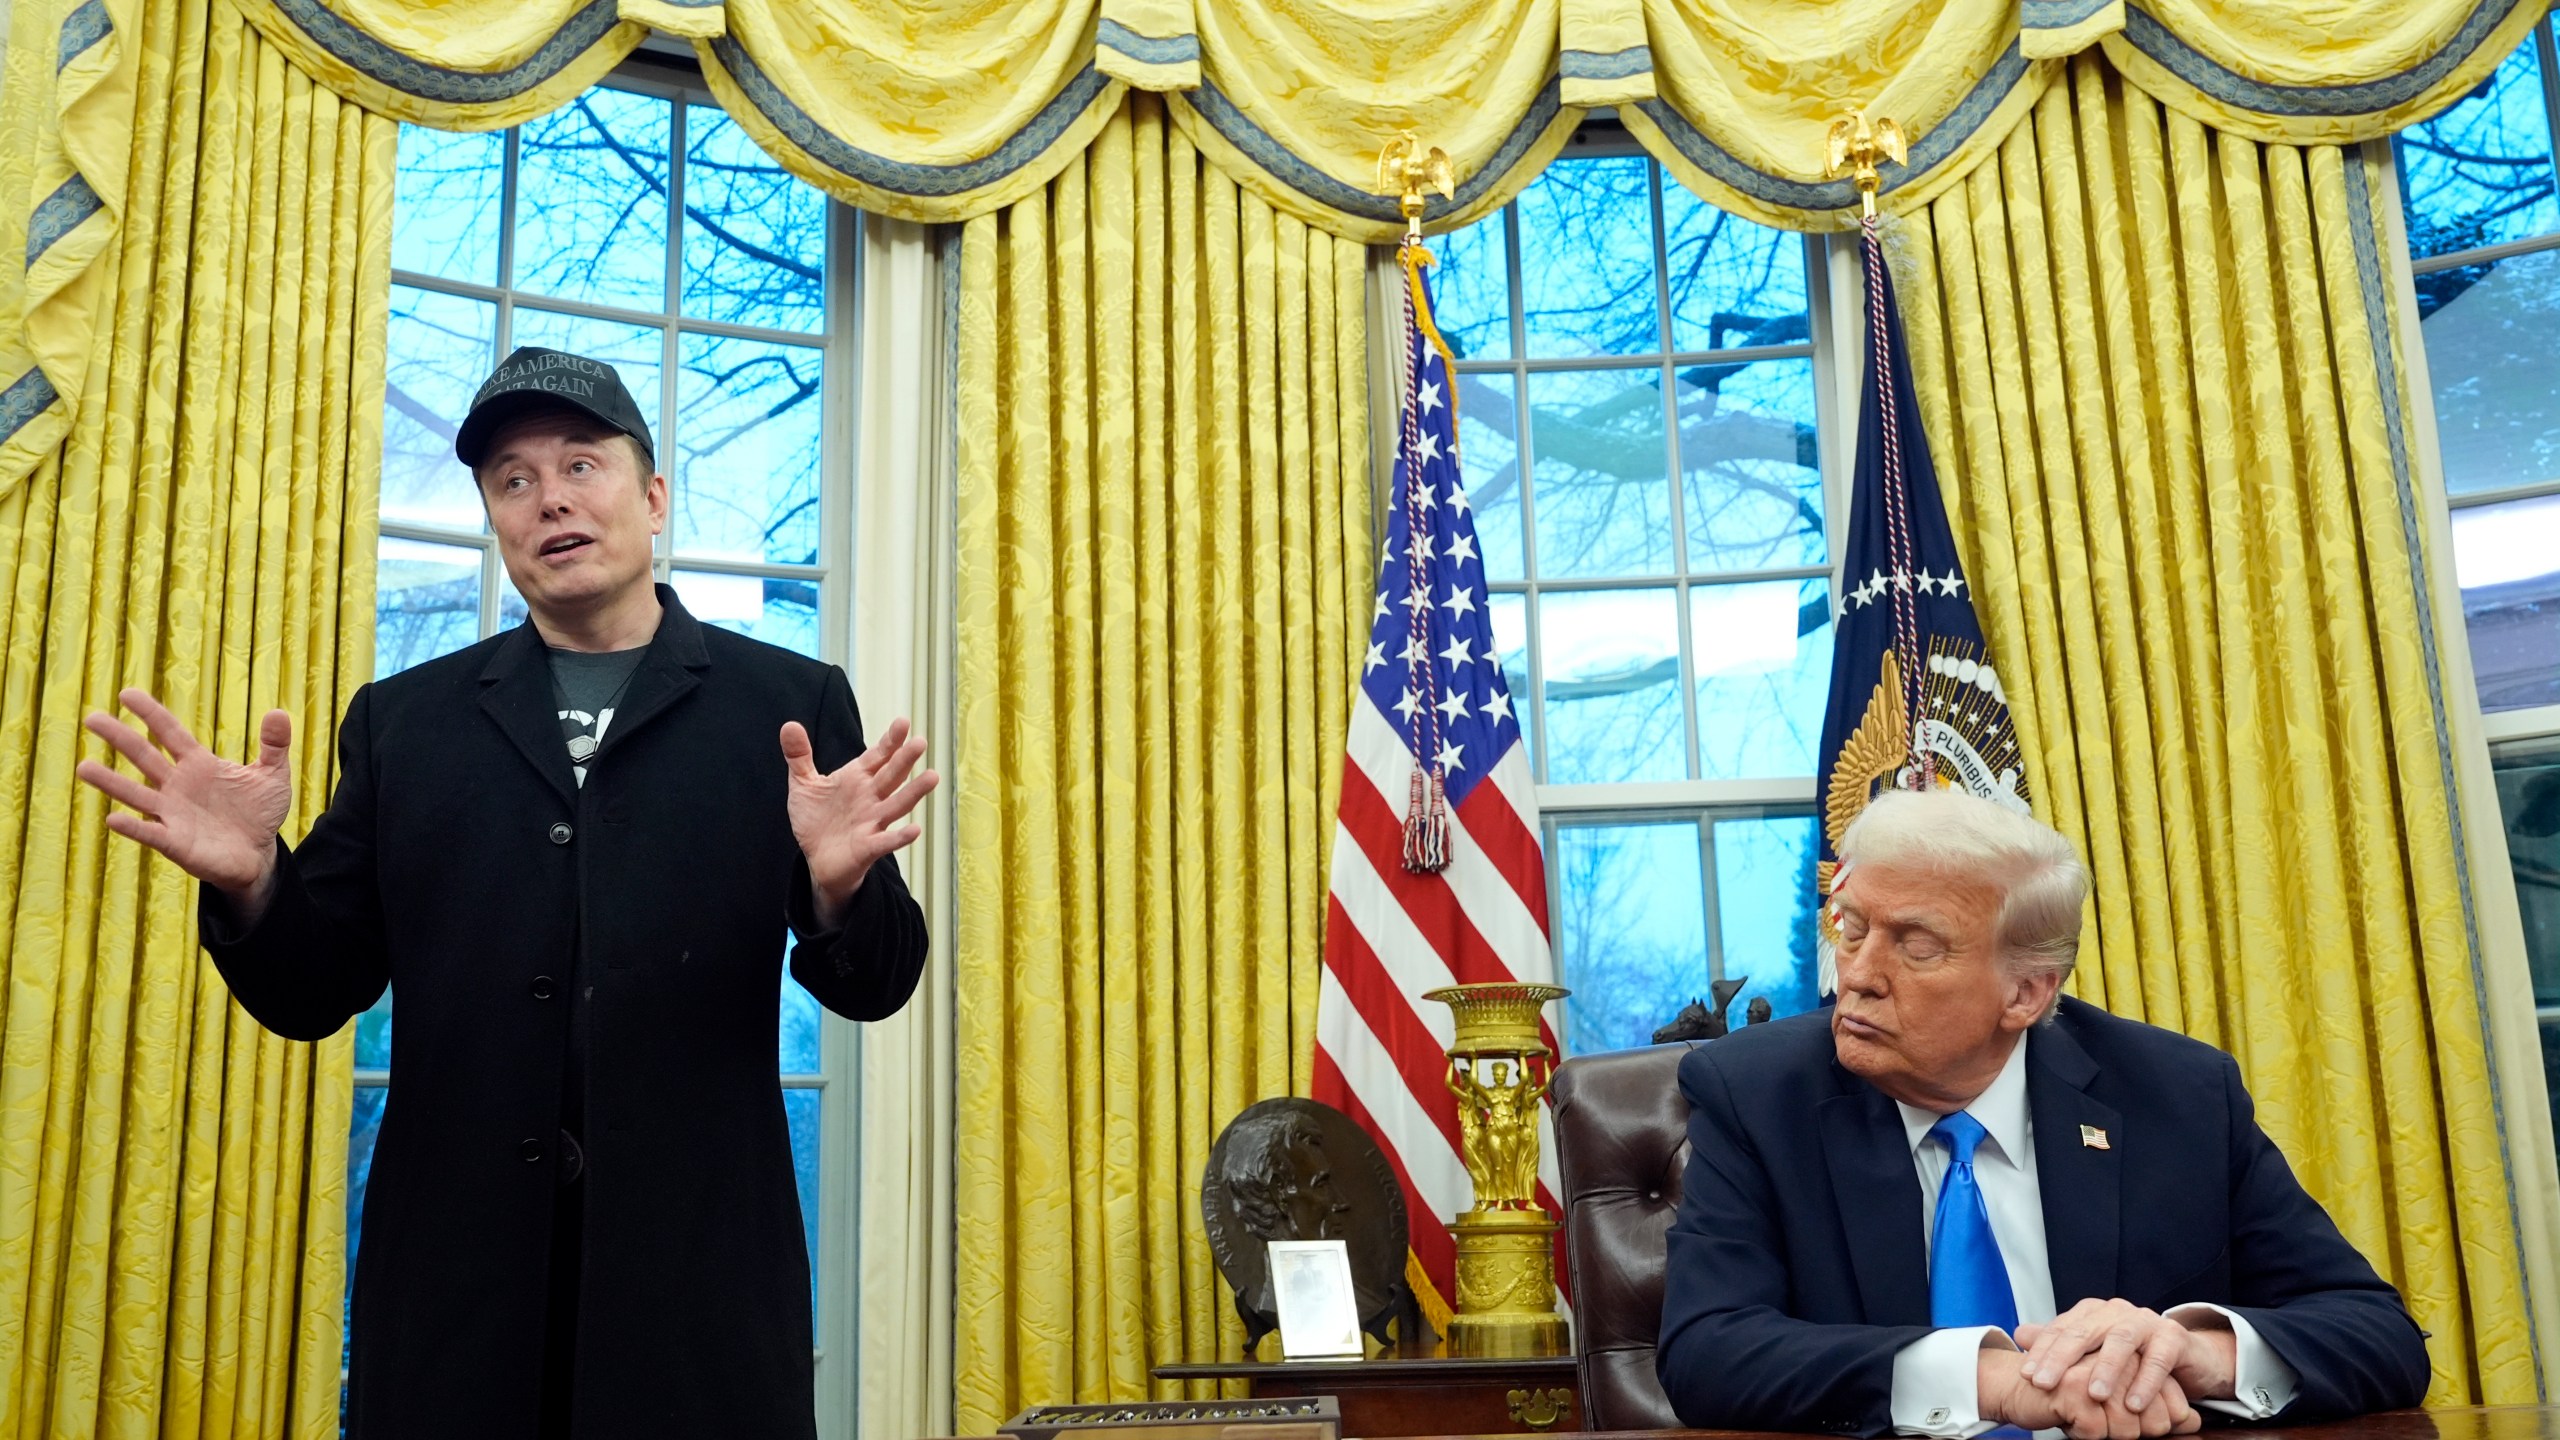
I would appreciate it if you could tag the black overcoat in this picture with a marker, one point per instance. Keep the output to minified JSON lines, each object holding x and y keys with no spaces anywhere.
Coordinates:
{"x":460,"y":861}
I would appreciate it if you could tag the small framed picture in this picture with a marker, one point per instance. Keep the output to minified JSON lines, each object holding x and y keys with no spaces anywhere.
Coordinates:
{"x":1311,"y":1288}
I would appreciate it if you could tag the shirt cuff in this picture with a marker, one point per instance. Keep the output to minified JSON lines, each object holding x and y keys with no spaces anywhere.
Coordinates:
{"x":1935,"y":1382}
{"x":2261,"y":1383}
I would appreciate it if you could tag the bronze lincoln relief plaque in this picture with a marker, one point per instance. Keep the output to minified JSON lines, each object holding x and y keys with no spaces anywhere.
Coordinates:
{"x":1291,"y":1169}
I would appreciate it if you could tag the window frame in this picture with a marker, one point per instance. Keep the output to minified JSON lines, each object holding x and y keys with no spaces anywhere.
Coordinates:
{"x":676,"y":80}
{"x":2536,"y":721}
{"x":1832,"y":267}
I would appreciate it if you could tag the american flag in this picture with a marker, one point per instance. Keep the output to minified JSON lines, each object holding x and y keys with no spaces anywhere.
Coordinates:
{"x":1437,"y":874}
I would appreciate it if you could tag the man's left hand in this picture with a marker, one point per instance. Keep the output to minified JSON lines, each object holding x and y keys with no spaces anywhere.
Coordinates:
{"x":847,"y":820}
{"x":2131,"y":1350}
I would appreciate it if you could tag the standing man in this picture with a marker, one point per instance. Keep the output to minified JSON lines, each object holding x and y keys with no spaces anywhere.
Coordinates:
{"x":574,"y":848}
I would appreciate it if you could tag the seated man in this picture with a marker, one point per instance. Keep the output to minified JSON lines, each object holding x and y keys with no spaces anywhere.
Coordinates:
{"x":1880,"y":1196}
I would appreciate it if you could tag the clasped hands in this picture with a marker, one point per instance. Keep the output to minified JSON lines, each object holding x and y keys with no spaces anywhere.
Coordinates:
{"x":2107,"y":1370}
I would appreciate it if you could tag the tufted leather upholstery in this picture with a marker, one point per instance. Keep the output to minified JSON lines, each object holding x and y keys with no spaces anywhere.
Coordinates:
{"x":1622,"y":1142}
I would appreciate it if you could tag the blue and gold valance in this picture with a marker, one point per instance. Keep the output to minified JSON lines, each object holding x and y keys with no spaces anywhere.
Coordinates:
{"x":941,"y":109}
{"x":937,"y":110}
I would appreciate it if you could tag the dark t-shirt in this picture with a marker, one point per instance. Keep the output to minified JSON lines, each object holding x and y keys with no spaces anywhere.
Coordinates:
{"x":587,"y":688}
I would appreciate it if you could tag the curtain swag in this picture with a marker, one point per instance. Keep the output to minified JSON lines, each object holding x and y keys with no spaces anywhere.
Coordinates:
{"x":941,"y":110}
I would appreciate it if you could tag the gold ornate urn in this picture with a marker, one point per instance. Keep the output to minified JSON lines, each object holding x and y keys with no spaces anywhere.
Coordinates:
{"x":1498,"y":1070}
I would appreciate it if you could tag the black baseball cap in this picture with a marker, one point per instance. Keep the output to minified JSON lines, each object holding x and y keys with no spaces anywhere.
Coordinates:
{"x":533,"y":380}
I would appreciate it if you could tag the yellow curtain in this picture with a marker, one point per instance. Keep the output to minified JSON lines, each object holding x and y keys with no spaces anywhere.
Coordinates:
{"x":1163,"y":583}
{"x":172,"y":1177}
{"x":2158,"y":368}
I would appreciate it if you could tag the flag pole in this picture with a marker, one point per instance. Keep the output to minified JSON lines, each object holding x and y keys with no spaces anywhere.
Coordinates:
{"x":1407,"y":169}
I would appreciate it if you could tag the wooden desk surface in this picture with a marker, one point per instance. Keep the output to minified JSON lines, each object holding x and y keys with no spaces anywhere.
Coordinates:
{"x":2476,"y":1422}
{"x":1405,"y":1368}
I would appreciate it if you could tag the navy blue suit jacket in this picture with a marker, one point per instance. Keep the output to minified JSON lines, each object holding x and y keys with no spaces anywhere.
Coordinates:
{"x":1797,"y":1267}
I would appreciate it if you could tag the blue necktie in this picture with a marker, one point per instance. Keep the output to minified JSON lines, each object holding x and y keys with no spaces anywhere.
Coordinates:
{"x":1968,"y":1285}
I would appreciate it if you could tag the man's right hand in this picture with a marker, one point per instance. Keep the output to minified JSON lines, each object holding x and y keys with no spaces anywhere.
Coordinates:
{"x":216,"y":818}
{"x":2002,"y":1394}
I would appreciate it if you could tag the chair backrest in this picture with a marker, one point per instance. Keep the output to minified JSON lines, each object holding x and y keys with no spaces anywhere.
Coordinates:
{"x":1622,"y":1143}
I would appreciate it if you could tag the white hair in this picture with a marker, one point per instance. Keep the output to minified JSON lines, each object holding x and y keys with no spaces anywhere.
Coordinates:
{"x":1956,"y":835}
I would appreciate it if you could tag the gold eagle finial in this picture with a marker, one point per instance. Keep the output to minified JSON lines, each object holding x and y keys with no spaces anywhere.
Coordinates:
{"x":1406,"y":169}
{"x":1856,"y":145}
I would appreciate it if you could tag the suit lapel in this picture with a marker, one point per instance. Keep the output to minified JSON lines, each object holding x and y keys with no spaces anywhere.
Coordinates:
{"x":1869,"y":1155}
{"x":515,"y":691}
{"x":669,"y":672}
{"x":2083,"y":1185}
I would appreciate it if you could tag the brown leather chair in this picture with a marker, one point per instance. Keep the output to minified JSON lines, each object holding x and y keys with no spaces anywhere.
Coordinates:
{"x":1622,"y":1143}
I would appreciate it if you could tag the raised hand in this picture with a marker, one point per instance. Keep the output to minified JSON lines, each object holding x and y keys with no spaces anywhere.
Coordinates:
{"x":216,"y":818}
{"x":847,"y":820}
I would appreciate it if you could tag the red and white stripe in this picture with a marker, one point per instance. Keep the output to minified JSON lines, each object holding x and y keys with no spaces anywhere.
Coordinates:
{"x":1392,"y":934}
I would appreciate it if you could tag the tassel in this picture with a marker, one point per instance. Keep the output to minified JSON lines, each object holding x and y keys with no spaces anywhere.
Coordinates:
{"x":1426,"y":824}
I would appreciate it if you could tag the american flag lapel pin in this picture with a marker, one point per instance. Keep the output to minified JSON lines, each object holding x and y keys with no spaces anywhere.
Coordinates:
{"x":2094,"y":1138}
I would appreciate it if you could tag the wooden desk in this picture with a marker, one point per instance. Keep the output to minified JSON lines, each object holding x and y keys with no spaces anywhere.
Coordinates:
{"x":1416,"y":1395}
{"x":2475,"y":1422}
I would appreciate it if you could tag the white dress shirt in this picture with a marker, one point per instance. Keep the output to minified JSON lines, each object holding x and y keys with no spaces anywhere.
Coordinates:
{"x":1934,"y":1377}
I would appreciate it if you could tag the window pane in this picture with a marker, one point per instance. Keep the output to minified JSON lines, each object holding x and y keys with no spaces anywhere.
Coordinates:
{"x":2529,"y":800}
{"x":1732,"y":283}
{"x":438,"y":350}
{"x":755,"y":237}
{"x":1750,"y":465}
{"x":636,"y":352}
{"x":1508,"y":614}
{"x":2506,"y":557}
{"x":1612,"y":668}
{"x":777,"y":610}
{"x":803,"y":1108}
{"x":746,"y":454}
{"x":2480,"y":173}
{"x":373,"y":1036}
{"x":364,"y":1122}
{"x":1586,"y":258}
{"x":1765,"y":912}
{"x":1632,"y":932}
{"x":444,"y":213}
{"x":1763,"y":667}
{"x":1471,"y":290}
{"x":1489,"y":456}
{"x":591,"y":200}
{"x":2492,"y":348}
{"x":1603,"y":497}
{"x":426,"y":602}
{"x":511,"y":610}
{"x":801,"y":1017}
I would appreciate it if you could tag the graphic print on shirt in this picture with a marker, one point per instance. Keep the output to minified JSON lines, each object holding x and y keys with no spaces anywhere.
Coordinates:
{"x":585,"y":732}
{"x":586,"y":689}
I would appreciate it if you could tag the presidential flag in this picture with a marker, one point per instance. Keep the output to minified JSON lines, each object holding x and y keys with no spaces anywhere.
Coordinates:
{"x":1437,"y":874}
{"x":1915,"y":700}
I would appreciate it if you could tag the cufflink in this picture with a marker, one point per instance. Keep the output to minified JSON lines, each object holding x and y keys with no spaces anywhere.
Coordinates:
{"x":1939,"y":1415}
{"x":2265,"y":1401}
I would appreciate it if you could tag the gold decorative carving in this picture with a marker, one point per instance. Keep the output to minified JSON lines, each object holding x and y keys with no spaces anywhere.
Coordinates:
{"x":1499,"y":1069}
{"x":1855,"y":146}
{"x":1407,"y":168}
